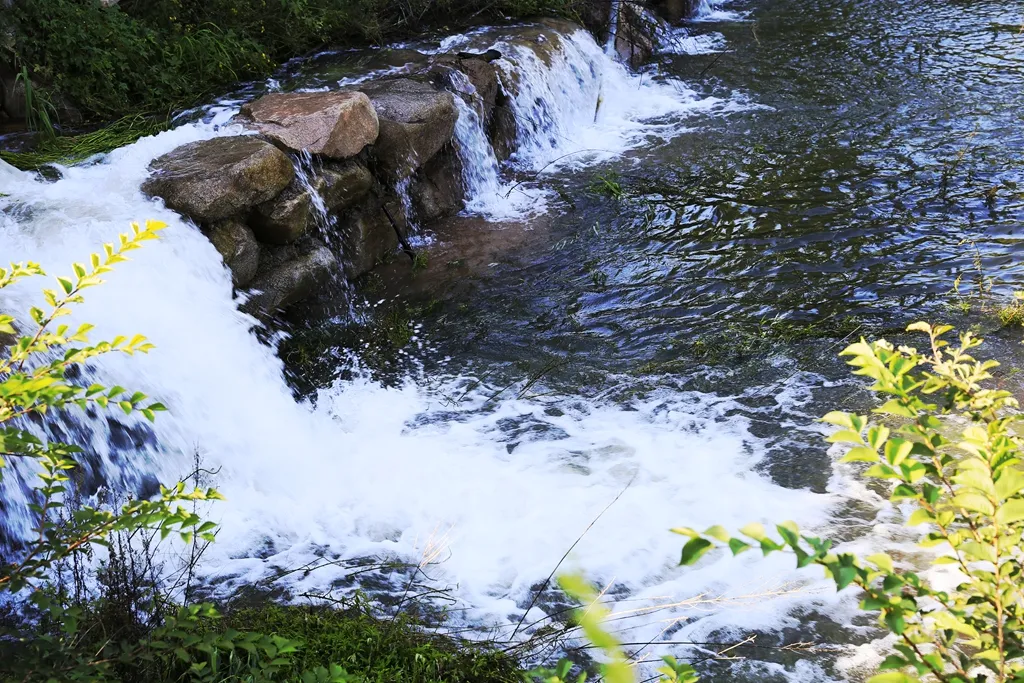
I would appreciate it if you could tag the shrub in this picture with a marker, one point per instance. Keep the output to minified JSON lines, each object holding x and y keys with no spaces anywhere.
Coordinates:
{"x":948,"y":448}
{"x":64,"y":641}
{"x":108,"y":64}
{"x":951,"y":454}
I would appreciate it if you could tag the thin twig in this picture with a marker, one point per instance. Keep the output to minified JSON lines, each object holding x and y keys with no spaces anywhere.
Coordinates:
{"x":547,"y":581}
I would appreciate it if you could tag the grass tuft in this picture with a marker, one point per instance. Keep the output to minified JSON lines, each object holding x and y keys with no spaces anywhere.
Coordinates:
{"x":1012,"y":314}
{"x":74,"y":148}
{"x":380,"y":650}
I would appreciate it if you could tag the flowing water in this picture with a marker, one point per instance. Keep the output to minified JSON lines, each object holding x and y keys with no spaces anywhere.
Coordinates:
{"x":634,"y":321}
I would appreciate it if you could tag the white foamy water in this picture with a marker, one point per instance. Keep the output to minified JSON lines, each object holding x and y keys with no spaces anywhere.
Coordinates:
{"x":576,"y":105}
{"x":679,"y":41}
{"x":394,"y":472}
{"x":493,"y":492}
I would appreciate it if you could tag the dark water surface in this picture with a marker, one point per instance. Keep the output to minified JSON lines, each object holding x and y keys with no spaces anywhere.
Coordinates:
{"x":883,"y":161}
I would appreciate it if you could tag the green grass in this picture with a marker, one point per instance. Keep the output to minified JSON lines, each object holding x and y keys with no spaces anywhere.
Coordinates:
{"x":73,"y":148}
{"x":381,"y":650}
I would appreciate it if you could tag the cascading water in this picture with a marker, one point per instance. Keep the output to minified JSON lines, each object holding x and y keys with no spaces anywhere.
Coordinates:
{"x":711,"y":10}
{"x":703,"y":8}
{"x":575,"y":105}
{"x":305,"y":171}
{"x":403,"y":190}
{"x":613,"y":27}
{"x":486,"y":194}
{"x":369,"y":471}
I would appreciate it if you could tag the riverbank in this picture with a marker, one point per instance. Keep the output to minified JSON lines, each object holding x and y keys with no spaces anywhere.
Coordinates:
{"x":369,"y":646}
{"x":149,"y":61}
{"x":95,"y":62}
{"x":70,"y":67}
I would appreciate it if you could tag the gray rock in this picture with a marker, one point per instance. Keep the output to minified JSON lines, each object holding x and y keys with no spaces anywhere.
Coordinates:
{"x":237,"y":245}
{"x":337,"y":125}
{"x":482,"y":75}
{"x":437,"y":189}
{"x":368,"y":237}
{"x":343,"y":185}
{"x":211,"y":180}
{"x":14,"y":102}
{"x":12,"y":94}
{"x":502,"y":131}
{"x":634,"y":41}
{"x":285,"y":218}
{"x":676,"y":10}
{"x":416,"y":121}
{"x":290,"y":274}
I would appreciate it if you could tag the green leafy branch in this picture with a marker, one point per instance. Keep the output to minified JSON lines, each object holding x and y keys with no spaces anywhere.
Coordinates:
{"x":34,"y":381}
{"x":965,"y":490}
{"x":591,"y":620}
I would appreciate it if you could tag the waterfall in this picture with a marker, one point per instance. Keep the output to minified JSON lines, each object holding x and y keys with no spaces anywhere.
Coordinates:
{"x":486,"y":194}
{"x":368,"y":470}
{"x":479,"y":165}
{"x":576,"y":105}
{"x":613,"y":27}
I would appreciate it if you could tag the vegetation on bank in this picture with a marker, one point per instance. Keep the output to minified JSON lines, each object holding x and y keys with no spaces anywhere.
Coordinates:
{"x":375,"y":649}
{"x":152,"y":57}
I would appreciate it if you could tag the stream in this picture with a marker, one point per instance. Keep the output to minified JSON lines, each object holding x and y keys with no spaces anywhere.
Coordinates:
{"x":634,"y":325}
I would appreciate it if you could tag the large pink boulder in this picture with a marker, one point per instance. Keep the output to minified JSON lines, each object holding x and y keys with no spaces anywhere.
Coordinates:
{"x":337,"y":125}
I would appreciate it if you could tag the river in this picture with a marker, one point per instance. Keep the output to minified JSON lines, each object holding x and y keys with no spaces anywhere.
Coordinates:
{"x":634,"y":326}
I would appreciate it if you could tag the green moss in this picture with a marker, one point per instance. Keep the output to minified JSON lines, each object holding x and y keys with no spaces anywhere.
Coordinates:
{"x":380,"y":650}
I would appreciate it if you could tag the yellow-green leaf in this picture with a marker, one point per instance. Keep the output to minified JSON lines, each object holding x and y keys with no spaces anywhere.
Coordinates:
{"x":976,"y":502}
{"x":860,"y":454}
{"x":1011,"y":511}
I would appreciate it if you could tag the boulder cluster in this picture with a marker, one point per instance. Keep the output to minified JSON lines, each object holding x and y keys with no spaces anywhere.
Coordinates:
{"x":260,"y":208}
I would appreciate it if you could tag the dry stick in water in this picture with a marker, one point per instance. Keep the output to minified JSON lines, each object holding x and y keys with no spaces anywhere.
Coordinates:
{"x":579,"y":538}
{"x":402,"y":241}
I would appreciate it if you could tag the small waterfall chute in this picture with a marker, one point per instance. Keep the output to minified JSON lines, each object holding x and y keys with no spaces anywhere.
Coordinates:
{"x":575,"y":105}
{"x":486,"y":194}
{"x":614,"y":10}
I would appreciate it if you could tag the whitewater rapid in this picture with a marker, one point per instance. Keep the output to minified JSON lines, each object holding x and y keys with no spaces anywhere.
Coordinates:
{"x":486,"y":494}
